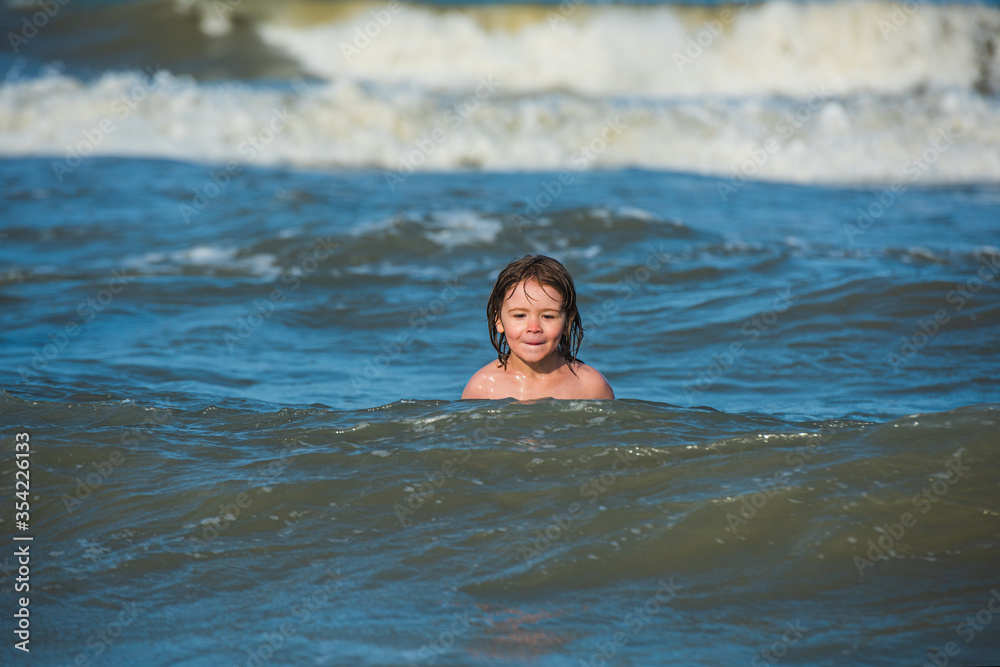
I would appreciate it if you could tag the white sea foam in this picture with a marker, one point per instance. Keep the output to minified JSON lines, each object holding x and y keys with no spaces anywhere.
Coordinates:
{"x":459,"y":228}
{"x":807,"y":93}
{"x":210,"y":258}
{"x":930,"y":138}
{"x":446,"y":228}
{"x":770,"y":48}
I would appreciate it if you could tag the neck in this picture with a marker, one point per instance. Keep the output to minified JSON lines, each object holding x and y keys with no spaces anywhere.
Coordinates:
{"x":537,"y":370}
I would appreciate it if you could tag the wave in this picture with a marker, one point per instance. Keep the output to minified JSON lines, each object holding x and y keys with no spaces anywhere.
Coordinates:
{"x":539,"y":528}
{"x":665,"y":50}
{"x":771,"y":48}
{"x":698,"y":489}
{"x":931,"y":138}
{"x":437,"y":246}
{"x":838,"y":92}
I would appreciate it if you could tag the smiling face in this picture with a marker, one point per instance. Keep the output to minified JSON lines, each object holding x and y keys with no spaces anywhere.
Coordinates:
{"x":533,"y":321}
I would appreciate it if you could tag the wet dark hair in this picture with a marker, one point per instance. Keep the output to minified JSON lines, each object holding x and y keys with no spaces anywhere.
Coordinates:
{"x":548,"y":273}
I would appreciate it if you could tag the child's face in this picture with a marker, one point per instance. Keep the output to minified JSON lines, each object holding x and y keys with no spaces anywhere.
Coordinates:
{"x":533,"y":321}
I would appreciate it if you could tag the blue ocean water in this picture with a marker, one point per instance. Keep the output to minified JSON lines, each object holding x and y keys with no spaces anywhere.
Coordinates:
{"x":243,"y":278}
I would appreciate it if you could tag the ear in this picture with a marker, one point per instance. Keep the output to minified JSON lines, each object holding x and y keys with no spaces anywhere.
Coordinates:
{"x":499,"y":325}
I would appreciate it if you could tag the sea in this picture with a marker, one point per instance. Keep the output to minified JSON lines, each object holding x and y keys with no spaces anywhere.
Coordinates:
{"x":245,"y":253}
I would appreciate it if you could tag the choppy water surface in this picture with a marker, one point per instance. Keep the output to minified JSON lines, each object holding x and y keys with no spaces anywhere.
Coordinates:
{"x":243,"y":281}
{"x":239,"y":449}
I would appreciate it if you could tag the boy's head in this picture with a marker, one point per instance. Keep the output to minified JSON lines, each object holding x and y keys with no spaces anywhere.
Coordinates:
{"x":555,"y":281}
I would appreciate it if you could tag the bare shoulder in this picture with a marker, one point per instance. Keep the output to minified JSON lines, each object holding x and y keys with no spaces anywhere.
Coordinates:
{"x":593,"y":383}
{"x":483,"y":382}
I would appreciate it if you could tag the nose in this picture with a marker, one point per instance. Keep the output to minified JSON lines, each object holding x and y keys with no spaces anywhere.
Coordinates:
{"x":534,"y":324}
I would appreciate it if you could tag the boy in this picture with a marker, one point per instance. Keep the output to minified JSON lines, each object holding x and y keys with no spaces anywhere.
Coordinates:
{"x":536,"y":330}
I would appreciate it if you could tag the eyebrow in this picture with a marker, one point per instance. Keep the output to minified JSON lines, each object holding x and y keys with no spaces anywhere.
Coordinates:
{"x":544,"y":310}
